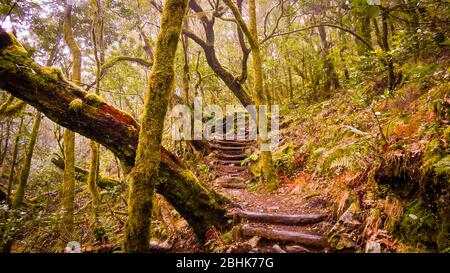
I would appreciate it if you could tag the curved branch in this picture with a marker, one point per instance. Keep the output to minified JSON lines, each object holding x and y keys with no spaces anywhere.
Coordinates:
{"x":277,"y":22}
{"x":320,"y":25}
{"x":232,"y":82}
{"x":109,"y":64}
{"x":195,"y":38}
{"x":235,"y":10}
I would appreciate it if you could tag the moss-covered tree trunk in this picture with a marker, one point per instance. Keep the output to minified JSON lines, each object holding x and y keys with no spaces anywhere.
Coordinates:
{"x":144,"y":177}
{"x":94,"y":165}
{"x":5,"y":146}
{"x":267,"y":165}
{"x":331,"y":79}
{"x":186,"y":72}
{"x":68,"y":191}
{"x":25,"y":171}
{"x":14,"y":161}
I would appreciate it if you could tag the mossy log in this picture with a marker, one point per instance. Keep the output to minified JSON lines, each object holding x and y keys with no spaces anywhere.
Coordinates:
{"x":285,"y":219}
{"x":82,"y":174}
{"x":48,"y":91}
{"x":284,"y":235}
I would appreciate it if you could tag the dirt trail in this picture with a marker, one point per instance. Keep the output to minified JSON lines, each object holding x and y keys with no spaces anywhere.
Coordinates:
{"x":266,"y":222}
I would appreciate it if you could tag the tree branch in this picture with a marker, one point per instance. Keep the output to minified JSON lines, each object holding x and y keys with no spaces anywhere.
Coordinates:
{"x":316,"y":26}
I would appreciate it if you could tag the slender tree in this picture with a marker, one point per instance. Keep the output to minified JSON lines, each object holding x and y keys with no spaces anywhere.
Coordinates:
{"x":262,"y":97}
{"x":143,"y":178}
{"x":94,"y":165}
{"x":68,"y":192}
{"x":25,"y":171}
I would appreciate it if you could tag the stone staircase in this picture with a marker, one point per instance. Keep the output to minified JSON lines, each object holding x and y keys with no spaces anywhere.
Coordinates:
{"x":280,"y":232}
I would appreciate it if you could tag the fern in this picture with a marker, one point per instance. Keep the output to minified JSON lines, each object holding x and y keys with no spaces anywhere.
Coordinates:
{"x":252,"y":157}
{"x":442,"y":166}
{"x":342,"y":162}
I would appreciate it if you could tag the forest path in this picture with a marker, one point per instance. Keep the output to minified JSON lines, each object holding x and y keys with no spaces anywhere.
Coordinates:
{"x":265,"y":222}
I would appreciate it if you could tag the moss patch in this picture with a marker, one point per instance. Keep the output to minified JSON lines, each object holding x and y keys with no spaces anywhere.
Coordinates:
{"x":418,"y":225}
{"x":93,"y":100}
{"x":76,"y":105}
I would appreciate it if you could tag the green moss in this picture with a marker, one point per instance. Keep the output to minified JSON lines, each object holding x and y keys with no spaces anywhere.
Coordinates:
{"x":93,"y":99}
{"x":433,"y":154}
{"x":418,"y":225}
{"x":446,"y":134}
{"x":284,"y":157}
{"x":76,"y":105}
{"x":50,"y":72}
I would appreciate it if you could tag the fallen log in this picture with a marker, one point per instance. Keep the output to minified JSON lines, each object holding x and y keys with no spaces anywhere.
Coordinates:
{"x":284,"y":235}
{"x":82,"y":174}
{"x":285,"y":219}
{"x":47,"y":90}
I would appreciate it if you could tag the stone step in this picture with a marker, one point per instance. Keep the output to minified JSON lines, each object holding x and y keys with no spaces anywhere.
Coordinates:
{"x":236,"y":143}
{"x":231,"y":169}
{"x":229,"y":162}
{"x":284,"y":219}
{"x":232,"y":156}
{"x":227,"y":148}
{"x":280,"y":235}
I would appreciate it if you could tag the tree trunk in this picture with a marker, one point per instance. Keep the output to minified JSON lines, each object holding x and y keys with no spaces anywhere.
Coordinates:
{"x":186,"y":74}
{"x":94,"y":165}
{"x":291,"y":88}
{"x":48,"y":91}
{"x":267,"y":165}
{"x":5,"y":146}
{"x":14,"y":161}
{"x":331,"y":81}
{"x":266,"y":162}
{"x":144,"y":177}
{"x":363,"y":30}
{"x":386,"y":48}
{"x":25,"y":171}
{"x":68,"y":192}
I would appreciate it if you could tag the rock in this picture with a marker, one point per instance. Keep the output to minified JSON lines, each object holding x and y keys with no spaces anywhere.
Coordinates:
{"x":372,"y":247}
{"x":277,"y":249}
{"x":253,"y":242}
{"x":344,"y":233}
{"x":296,"y":249}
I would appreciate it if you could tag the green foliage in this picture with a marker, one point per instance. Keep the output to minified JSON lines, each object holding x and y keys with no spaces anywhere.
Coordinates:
{"x":284,"y":157}
{"x":418,"y":225}
{"x":203,"y":168}
{"x":432,"y":155}
{"x":442,"y":167}
{"x":250,"y":158}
